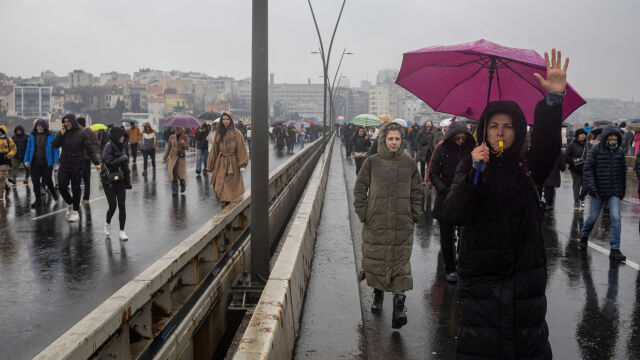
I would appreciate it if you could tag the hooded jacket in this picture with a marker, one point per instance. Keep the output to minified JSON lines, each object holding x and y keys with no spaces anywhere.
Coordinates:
{"x":502,"y":274}
{"x":605,"y":171}
{"x":74,"y":143}
{"x":7,"y":147}
{"x":388,"y":200}
{"x":445,"y":160}
{"x":21,"y":142}
{"x":52,"y":154}
{"x":114,"y":158}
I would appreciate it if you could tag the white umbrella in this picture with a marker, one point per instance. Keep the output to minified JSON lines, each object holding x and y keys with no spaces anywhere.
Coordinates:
{"x":401,"y":122}
{"x":445,"y":122}
{"x":216,"y":120}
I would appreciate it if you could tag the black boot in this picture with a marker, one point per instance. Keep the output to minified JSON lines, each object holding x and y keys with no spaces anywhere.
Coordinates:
{"x":616,"y":255}
{"x":174,"y":188}
{"x":584,"y":242}
{"x":378,"y":298}
{"x":183,"y":185}
{"x":36,"y":204}
{"x":399,"y":312}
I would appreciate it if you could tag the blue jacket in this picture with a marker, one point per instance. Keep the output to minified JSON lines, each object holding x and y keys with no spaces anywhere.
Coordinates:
{"x":53,"y":154}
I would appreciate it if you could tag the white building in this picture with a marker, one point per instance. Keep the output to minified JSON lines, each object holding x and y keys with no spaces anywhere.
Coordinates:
{"x":379,"y":100}
{"x":143,"y":118}
{"x":32,"y":101}
{"x":305,"y":99}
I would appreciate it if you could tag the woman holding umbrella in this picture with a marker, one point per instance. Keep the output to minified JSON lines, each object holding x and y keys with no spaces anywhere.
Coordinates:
{"x":227,"y":156}
{"x":502,"y":273}
{"x":176,"y":154}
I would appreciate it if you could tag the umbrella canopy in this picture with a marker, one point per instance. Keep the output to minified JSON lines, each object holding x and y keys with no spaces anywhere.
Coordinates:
{"x":96,"y":127}
{"x":310,"y":122}
{"x":385,"y":118}
{"x":209,"y":115}
{"x":129,"y":121}
{"x":461,"y":79}
{"x":366,"y":120}
{"x":182,"y":121}
{"x":634,"y":127}
{"x":216,"y":121}
{"x":401,"y":122}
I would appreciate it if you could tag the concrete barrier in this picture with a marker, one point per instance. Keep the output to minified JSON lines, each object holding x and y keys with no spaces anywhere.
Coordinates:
{"x":272,"y":330}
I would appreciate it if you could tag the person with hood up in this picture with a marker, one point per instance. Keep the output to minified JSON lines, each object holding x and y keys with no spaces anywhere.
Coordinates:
{"x":414,"y":129}
{"x":456,"y":145}
{"x":227,"y":156}
{"x":425,"y":144}
{"x":502,"y":274}
{"x":361,"y":144}
{"x":291,"y":133}
{"x":116,"y":179}
{"x":40,"y":157}
{"x":74,"y":144}
{"x":605,"y":176}
{"x":148,"y":144}
{"x":176,"y":153}
{"x":7,"y":151}
{"x":20,"y":139}
{"x":576,"y":156}
{"x":134,"y":134}
{"x":388,"y":201}
{"x":202,"y":146}
{"x":86,"y":165}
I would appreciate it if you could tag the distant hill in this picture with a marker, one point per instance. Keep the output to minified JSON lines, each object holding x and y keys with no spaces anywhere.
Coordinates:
{"x":605,"y":109}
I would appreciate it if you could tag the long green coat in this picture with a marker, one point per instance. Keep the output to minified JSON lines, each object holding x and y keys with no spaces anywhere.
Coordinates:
{"x":387,"y":199}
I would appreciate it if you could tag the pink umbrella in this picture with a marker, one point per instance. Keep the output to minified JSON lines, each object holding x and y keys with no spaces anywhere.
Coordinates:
{"x":182,"y":121}
{"x":461,"y":79}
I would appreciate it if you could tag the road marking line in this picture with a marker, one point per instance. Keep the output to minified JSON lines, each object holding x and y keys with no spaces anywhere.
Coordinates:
{"x":606,"y":252}
{"x":64,"y":209}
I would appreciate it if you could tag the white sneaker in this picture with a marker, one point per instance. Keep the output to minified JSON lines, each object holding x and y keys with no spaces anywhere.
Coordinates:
{"x":107,"y":229}
{"x":69,"y":211}
{"x":123,"y":236}
{"x":75,"y":216}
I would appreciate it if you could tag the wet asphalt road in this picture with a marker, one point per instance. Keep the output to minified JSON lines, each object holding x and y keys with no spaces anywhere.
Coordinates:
{"x":53,"y":273}
{"x":593,"y":304}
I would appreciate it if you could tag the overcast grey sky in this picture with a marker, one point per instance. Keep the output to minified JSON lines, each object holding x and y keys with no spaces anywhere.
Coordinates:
{"x":214,"y":36}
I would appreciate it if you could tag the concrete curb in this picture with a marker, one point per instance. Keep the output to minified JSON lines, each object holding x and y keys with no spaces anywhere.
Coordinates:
{"x":271,"y":333}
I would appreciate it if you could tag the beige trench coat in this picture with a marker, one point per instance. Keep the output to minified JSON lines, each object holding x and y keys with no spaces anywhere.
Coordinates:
{"x":172,"y":154}
{"x":226,"y":157}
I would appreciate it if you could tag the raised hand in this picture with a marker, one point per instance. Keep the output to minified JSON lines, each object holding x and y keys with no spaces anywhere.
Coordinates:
{"x":556,"y":80}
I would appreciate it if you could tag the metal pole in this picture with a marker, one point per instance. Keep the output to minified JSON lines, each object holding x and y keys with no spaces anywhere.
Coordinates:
{"x":260,"y":252}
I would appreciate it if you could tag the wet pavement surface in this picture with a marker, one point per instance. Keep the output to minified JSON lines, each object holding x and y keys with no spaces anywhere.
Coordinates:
{"x":593,"y":304}
{"x":53,"y":273}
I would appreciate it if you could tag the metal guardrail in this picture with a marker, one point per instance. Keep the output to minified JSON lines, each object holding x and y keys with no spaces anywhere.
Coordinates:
{"x":176,"y":308}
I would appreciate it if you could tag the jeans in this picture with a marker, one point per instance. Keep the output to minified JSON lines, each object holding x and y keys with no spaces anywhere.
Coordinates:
{"x":301,"y":138}
{"x":64,"y":177}
{"x":149,"y":153}
{"x":616,"y":222}
{"x":201,"y":158}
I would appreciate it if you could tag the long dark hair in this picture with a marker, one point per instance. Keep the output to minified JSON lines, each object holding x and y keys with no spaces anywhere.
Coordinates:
{"x":221,"y":131}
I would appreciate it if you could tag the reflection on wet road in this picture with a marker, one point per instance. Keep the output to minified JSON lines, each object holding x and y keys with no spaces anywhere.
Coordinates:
{"x":53,"y":273}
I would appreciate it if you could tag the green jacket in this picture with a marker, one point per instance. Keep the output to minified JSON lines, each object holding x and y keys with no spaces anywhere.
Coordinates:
{"x":388,"y":200}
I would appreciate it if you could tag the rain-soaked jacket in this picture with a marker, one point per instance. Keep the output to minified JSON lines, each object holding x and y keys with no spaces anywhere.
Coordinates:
{"x":388,"y":199}
{"x":502,"y":273}
{"x":605,"y":171}
{"x":7,"y":147}
{"x":74,"y":144}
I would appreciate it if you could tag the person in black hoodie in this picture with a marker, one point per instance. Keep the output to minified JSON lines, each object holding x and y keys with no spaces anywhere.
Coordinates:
{"x":576,"y":156}
{"x":361,"y":143}
{"x":116,"y":179}
{"x":502,"y":271}
{"x":456,"y":145}
{"x":74,"y":142}
{"x":202,"y":145}
{"x":20,"y":139}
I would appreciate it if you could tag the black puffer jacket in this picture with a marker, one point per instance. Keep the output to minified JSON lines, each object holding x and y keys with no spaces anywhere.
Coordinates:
{"x":446,"y":158}
{"x":74,"y":143}
{"x":605,"y":170}
{"x":502,"y":272}
{"x":114,"y":159}
{"x":21,"y":141}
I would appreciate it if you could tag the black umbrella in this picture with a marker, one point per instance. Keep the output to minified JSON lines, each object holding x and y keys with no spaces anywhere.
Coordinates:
{"x":209,"y":115}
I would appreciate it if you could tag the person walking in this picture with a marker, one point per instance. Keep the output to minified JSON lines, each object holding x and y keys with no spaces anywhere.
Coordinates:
{"x":148,"y":145}
{"x":456,"y":146}
{"x":86,"y":164}
{"x":227,"y":156}
{"x":576,"y":156}
{"x":388,"y":201}
{"x":20,"y":139}
{"x":40,"y":157}
{"x":412,"y":135}
{"x":425,"y":144}
{"x":302,"y":134}
{"x":605,"y":176}
{"x":74,"y":143}
{"x":166,"y":135}
{"x":348,"y":134}
{"x":134,"y":134}
{"x":361,"y":145}
{"x":502,"y":273}
{"x":291,"y":133}
{"x":176,"y":154}
{"x":202,"y":146}
{"x":116,"y":180}
{"x":7,"y":151}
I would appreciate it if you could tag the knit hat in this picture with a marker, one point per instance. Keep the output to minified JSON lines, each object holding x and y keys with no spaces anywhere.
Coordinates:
{"x":580,"y":132}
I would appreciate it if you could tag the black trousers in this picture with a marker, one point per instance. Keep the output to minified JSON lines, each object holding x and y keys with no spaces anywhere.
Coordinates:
{"x":86,"y":178}
{"x":550,"y":195}
{"x":116,"y":195}
{"x":447,"y":244}
{"x":423,"y":166}
{"x":41,"y":173}
{"x":134,"y":151}
{"x":149,"y":153}
{"x":174,"y":183}
{"x":579,"y":190}
{"x":64,"y":177}
{"x":359,"y":162}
